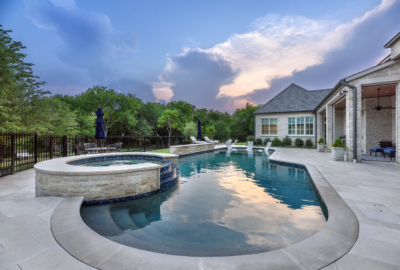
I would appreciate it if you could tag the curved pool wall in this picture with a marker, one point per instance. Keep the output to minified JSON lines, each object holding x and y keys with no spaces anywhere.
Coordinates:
{"x":100,"y":185}
{"x":332,"y":242}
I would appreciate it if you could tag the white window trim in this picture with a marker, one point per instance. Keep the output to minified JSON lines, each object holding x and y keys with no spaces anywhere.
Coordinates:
{"x":295,"y":127}
{"x":269,"y":125}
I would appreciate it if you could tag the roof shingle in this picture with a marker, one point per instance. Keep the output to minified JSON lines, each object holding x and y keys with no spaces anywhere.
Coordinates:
{"x":294,"y":99}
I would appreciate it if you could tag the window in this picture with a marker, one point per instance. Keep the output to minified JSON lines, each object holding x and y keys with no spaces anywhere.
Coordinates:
{"x":292,"y":126}
{"x":269,"y":126}
{"x":309,"y":125}
{"x":301,"y":126}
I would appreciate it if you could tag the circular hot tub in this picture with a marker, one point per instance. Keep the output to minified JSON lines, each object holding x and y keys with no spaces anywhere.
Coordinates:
{"x":107,"y":178}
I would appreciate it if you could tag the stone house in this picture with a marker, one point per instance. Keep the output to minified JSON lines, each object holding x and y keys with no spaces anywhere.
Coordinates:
{"x":363,"y":108}
{"x":290,"y":113}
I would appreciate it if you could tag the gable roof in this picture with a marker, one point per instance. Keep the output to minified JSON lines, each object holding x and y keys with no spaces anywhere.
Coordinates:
{"x":294,"y":99}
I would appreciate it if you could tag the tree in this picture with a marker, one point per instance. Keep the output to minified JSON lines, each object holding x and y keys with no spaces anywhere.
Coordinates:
{"x":19,"y":88}
{"x":170,"y":120}
{"x":190,"y":129}
{"x":243,"y":121}
{"x":210,"y":132}
{"x":117,"y":107}
{"x":185,"y":110}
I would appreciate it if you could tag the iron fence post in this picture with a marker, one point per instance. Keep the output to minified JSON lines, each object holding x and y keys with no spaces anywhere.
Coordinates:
{"x":12,"y":152}
{"x":64,"y":145}
{"x":144,"y":143}
{"x":76,"y":152}
{"x":51,"y":146}
{"x":35,"y":147}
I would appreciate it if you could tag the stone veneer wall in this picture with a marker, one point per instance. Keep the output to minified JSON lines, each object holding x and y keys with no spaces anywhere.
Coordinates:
{"x":340,"y":123}
{"x":107,"y":185}
{"x":283,"y":125}
{"x":378,"y":125}
{"x":191,"y":148}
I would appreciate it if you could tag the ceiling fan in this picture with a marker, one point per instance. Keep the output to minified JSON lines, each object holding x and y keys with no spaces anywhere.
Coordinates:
{"x":378,"y":108}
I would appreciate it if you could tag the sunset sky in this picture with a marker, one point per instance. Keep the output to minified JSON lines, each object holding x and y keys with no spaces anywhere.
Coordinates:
{"x":213,"y":54}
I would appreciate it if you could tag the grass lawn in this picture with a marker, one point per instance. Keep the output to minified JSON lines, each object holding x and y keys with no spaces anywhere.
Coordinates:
{"x":165,"y":151}
{"x":241,"y":143}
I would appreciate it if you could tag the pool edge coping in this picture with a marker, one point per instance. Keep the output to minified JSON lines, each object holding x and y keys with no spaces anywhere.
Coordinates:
{"x":325,"y":247}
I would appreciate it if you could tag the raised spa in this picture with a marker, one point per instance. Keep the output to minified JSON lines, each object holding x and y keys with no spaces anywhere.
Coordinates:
{"x":228,"y":203}
{"x":107,"y":178}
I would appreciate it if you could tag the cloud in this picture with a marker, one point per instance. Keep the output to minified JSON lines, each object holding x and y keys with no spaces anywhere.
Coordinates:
{"x":142,"y":90}
{"x":88,"y":39}
{"x":278,"y":47}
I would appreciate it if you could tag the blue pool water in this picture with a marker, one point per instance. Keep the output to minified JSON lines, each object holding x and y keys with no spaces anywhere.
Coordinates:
{"x":116,"y":162}
{"x":227,"y":204}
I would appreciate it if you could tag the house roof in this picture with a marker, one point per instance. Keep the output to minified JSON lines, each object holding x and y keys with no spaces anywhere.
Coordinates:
{"x":392,"y":41}
{"x":294,"y":99}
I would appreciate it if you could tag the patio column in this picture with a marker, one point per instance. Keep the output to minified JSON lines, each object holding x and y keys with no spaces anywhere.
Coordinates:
{"x":329,"y":124}
{"x":349,"y":124}
{"x":398,"y":123}
{"x":320,"y":125}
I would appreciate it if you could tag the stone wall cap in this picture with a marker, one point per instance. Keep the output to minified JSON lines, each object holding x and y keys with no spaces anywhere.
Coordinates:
{"x":61,"y":166}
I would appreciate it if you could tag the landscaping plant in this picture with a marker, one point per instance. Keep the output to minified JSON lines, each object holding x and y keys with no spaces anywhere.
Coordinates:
{"x":276,"y":142}
{"x":299,"y":142}
{"x":258,"y":141}
{"x":321,"y":140}
{"x":287,"y":141}
{"x":250,"y":138}
{"x":337,"y":143}
{"x":309,"y":143}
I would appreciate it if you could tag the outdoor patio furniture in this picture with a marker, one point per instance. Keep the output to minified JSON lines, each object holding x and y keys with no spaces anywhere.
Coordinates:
{"x":195,"y":141}
{"x":267,"y":147}
{"x":111,"y":148}
{"x":210,"y":141}
{"x":391,"y":152}
{"x":376,"y":150}
{"x":118,"y":147}
{"x":22,"y":154}
{"x":249,"y":146}
{"x":80,"y":150}
{"x":235,"y":142}
{"x":228,"y":145}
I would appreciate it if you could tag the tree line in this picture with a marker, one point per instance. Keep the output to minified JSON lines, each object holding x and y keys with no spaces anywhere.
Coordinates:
{"x":25,"y":107}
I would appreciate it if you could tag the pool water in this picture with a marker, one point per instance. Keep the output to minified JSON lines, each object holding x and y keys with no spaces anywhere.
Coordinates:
{"x":116,"y":162}
{"x":227,"y":204}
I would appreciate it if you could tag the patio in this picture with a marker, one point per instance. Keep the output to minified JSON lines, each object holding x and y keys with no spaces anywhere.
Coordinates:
{"x":370,"y":189}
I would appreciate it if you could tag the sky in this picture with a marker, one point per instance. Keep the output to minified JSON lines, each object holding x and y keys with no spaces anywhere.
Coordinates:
{"x":213,"y":54}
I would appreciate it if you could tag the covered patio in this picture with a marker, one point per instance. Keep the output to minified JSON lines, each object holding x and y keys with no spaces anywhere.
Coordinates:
{"x":363,"y":111}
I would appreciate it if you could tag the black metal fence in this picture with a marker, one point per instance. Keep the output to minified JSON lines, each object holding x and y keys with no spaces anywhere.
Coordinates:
{"x":20,"y":151}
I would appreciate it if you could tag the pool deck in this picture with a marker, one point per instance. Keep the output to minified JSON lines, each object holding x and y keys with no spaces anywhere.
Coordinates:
{"x":370,"y":189}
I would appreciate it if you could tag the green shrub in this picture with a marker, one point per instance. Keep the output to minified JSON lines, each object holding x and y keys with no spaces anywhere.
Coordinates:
{"x":250,"y":138}
{"x":299,"y":142}
{"x":287,"y":141}
{"x":309,"y":143}
{"x":337,"y":143}
{"x":321,"y":140}
{"x":267,"y":140}
{"x":276,"y":142}
{"x":258,"y":141}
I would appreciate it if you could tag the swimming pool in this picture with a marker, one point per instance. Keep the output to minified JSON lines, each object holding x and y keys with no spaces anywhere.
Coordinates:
{"x":228,"y":203}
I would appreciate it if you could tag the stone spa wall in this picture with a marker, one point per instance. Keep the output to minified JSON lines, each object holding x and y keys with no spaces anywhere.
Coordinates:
{"x":58,"y":178}
{"x":191,"y":148}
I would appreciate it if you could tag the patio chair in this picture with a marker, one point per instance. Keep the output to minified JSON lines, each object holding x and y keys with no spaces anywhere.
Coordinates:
{"x":249,"y":146}
{"x":382,"y":146}
{"x":80,"y":150}
{"x":111,"y":148}
{"x":118,"y":147}
{"x":389,"y":151}
{"x":195,"y":141}
{"x":235,"y":142}
{"x":266,"y":148}
{"x":210,"y":141}
{"x":89,"y":145}
{"x":228,"y":145}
